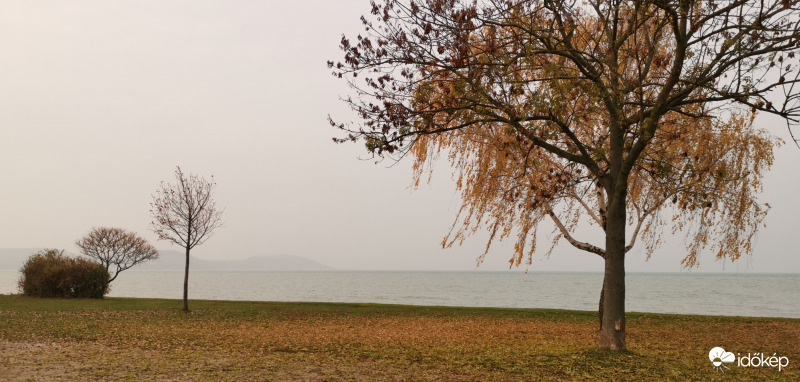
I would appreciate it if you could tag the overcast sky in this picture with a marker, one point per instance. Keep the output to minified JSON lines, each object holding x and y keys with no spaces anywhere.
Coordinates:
{"x":100,"y":100}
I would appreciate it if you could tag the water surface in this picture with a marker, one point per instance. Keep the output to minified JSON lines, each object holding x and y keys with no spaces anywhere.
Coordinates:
{"x":740,"y":294}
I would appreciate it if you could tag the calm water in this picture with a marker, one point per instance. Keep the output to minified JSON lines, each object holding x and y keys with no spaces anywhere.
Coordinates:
{"x":717,"y":294}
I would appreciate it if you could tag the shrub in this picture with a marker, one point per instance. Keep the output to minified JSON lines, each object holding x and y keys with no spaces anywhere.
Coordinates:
{"x":48,"y":273}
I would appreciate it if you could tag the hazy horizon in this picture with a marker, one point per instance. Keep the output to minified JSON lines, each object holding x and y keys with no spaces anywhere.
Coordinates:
{"x":148,"y":266}
{"x":102,"y":100}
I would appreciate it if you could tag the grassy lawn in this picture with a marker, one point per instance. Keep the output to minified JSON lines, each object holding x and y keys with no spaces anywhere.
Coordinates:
{"x":149,"y":339}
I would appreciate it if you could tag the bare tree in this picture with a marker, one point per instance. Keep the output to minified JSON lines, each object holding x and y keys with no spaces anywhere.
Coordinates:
{"x":185,"y":214}
{"x":116,"y":247}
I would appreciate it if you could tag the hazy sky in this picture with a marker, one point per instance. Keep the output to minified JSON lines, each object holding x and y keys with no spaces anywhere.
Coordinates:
{"x":100,"y":100}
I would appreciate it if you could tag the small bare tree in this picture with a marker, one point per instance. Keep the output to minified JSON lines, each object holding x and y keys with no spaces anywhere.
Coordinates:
{"x":185,"y":214}
{"x":116,"y":247}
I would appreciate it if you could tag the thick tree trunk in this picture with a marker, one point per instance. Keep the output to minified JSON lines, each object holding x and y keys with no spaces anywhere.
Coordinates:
{"x":186,"y":284}
{"x":612,"y":313}
{"x":612,"y":330}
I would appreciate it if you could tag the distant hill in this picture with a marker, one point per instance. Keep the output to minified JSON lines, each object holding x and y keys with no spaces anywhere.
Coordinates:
{"x":173,"y":260}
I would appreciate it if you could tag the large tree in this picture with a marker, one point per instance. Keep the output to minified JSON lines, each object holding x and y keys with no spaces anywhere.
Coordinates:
{"x":116,"y":248}
{"x":185,"y":214}
{"x":629,"y":112}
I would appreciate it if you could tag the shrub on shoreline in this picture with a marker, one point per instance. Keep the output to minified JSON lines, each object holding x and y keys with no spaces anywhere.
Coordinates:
{"x":48,"y":273}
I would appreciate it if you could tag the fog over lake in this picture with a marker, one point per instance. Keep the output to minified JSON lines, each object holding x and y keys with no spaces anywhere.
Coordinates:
{"x":101,"y":100}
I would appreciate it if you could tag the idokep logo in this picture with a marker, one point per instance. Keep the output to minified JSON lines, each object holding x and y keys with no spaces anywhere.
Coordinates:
{"x":718,"y":356}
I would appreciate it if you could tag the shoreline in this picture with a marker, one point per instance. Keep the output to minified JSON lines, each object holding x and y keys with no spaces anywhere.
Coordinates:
{"x":178,"y":301}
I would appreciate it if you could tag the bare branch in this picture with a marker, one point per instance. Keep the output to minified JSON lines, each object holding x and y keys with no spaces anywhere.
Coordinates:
{"x":117,"y":248}
{"x":567,"y":235}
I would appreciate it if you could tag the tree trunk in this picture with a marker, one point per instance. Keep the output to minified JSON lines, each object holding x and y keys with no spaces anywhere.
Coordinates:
{"x":612,"y":313}
{"x":186,"y":284}
{"x":600,"y":307}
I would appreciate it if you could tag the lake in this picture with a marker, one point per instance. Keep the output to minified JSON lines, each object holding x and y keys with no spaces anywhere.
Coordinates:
{"x":739,"y":294}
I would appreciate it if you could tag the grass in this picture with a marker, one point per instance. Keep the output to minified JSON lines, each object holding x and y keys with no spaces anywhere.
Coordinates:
{"x":150,"y":339}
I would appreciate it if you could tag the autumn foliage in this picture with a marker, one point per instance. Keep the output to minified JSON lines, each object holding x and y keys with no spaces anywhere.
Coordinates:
{"x":147,"y":339}
{"x":630,"y":116}
{"x":703,"y":180}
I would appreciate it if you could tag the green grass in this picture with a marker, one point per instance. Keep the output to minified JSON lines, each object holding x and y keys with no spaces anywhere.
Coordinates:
{"x":133,"y":339}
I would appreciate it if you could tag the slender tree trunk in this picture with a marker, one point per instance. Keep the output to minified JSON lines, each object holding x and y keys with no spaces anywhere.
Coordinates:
{"x":612,"y":312}
{"x":186,"y":283}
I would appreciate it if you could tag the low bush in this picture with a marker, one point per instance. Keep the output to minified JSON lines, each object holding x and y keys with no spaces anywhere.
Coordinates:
{"x":48,"y":273}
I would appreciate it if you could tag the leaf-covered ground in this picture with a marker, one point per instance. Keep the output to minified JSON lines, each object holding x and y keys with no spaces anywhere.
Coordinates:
{"x":146,"y":339}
